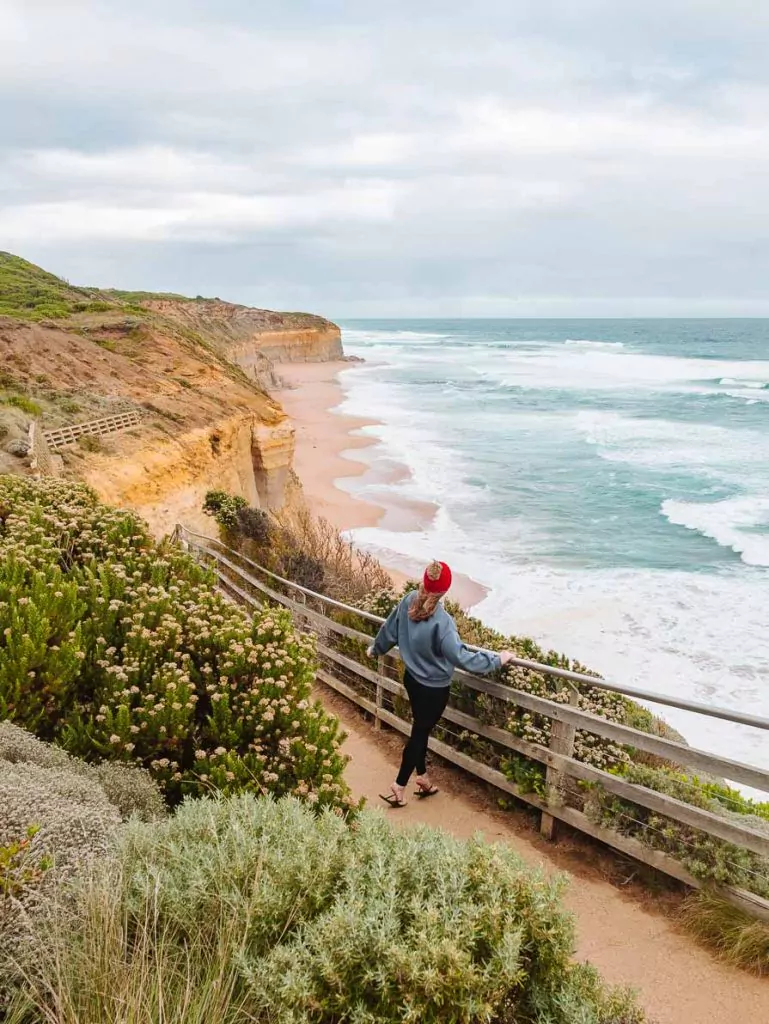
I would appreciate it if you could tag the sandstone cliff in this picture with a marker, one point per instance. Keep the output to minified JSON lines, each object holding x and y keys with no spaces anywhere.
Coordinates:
{"x":195,"y":370}
{"x":256,"y":339}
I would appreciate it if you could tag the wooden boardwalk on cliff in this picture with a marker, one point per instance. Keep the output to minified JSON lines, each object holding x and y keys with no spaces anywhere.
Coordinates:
{"x":62,"y":437}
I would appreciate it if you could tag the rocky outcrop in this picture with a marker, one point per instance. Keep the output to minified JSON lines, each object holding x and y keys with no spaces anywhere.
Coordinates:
{"x":272,"y":457}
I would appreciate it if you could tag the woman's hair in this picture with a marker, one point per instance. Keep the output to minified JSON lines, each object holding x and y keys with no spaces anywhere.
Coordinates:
{"x":423,"y":605}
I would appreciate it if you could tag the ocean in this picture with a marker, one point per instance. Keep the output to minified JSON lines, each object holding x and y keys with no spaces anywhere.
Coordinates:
{"x":607,"y":480}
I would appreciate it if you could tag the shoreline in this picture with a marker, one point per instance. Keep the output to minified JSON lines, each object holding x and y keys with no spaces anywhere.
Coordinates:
{"x":329,"y":451}
{"x":617,"y":621}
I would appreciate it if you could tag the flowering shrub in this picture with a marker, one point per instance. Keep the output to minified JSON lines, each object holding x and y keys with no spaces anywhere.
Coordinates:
{"x":224,"y":507}
{"x":259,"y":910}
{"x":122,"y":649}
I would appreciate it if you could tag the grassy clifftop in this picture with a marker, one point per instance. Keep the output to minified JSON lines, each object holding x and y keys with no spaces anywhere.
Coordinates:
{"x":27,"y":292}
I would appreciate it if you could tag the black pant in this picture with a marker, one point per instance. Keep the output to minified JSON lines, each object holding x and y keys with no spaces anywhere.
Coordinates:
{"x":427,"y":705}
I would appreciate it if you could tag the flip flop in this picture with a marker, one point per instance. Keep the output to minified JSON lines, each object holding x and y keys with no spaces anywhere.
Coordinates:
{"x":423,"y":793}
{"x":389,"y":798}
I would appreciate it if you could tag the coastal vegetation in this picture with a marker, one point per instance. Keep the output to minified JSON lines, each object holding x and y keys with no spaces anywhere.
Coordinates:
{"x":247,"y":909}
{"x":176,"y":839}
{"x":120,"y":648}
{"x":57,"y":814}
{"x":29,"y":293}
{"x":715,"y":862}
{"x":303,"y":548}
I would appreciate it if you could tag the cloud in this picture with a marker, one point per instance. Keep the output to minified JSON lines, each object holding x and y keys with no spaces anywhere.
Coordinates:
{"x":352,"y":157}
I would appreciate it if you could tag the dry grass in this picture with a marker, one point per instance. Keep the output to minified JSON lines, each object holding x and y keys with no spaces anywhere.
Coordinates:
{"x":735,"y":936}
{"x":100,"y":976}
{"x":350,"y":574}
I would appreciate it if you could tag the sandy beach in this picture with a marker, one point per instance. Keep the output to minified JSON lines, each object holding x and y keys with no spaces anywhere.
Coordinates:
{"x":330,"y":451}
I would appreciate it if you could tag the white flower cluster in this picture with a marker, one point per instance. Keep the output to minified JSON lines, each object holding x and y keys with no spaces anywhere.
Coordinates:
{"x":128,"y":647}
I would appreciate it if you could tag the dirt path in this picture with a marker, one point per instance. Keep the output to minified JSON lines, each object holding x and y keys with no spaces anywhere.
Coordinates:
{"x":678,"y":982}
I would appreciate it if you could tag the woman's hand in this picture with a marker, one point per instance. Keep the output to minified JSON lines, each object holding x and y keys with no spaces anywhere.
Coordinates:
{"x":505,"y":657}
{"x":370,"y":652}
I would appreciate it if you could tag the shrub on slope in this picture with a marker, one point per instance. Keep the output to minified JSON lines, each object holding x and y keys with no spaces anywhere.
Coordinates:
{"x":56,"y":814}
{"x":252,"y":910}
{"x":122,"y":649}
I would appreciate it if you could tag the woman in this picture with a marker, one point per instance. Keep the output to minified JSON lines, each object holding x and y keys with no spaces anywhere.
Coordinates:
{"x":429,"y":644}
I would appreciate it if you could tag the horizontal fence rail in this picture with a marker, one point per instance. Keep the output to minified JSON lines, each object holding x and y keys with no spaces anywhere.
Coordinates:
{"x":244,"y":580}
{"x":64,"y":436}
{"x":650,"y":696}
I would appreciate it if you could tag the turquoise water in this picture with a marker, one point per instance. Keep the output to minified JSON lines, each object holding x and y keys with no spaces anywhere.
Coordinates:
{"x":607,"y":479}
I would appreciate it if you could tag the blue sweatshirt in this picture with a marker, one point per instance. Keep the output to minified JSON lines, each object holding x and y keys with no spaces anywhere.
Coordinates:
{"x":431,"y":650}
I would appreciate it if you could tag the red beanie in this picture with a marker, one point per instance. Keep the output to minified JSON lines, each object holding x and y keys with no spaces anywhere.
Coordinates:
{"x":437,"y":578}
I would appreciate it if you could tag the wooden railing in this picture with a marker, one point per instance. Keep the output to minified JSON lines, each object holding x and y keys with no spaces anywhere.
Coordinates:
{"x":64,"y":436}
{"x":375,"y":689}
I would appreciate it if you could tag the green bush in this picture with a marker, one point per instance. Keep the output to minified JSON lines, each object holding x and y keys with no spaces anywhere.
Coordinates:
{"x":128,"y":787}
{"x":252,"y":910}
{"x":55,"y":816}
{"x":224,"y":507}
{"x":711,"y":860}
{"x":123,"y":649}
{"x":254,"y":524}
{"x":25,"y":404}
{"x":91,"y":443}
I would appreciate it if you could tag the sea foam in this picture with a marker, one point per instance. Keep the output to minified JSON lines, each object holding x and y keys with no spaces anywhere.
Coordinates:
{"x":611,"y":496}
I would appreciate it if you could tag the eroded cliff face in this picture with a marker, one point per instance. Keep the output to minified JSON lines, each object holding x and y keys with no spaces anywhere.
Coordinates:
{"x":166,"y":481}
{"x":197,"y":371}
{"x":310,"y":345}
{"x":248,"y":337}
{"x":203,"y":425}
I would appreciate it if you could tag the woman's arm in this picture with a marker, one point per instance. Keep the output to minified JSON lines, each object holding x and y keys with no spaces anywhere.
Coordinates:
{"x":481,"y":663}
{"x":387,"y":637}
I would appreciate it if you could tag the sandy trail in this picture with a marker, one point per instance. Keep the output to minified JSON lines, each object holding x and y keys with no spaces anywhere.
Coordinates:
{"x":631,"y":944}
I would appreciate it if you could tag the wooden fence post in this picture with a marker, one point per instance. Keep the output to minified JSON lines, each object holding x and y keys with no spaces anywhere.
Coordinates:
{"x":380,"y":667}
{"x":561,"y":742}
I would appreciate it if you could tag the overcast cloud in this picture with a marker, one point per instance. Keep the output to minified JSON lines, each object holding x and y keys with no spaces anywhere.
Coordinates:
{"x":435,"y":158}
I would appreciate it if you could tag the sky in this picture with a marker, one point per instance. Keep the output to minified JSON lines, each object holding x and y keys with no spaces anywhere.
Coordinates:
{"x":433,"y":158}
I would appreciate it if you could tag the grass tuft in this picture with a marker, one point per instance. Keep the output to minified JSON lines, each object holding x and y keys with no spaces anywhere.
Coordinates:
{"x":22,"y":402}
{"x":734,"y":935}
